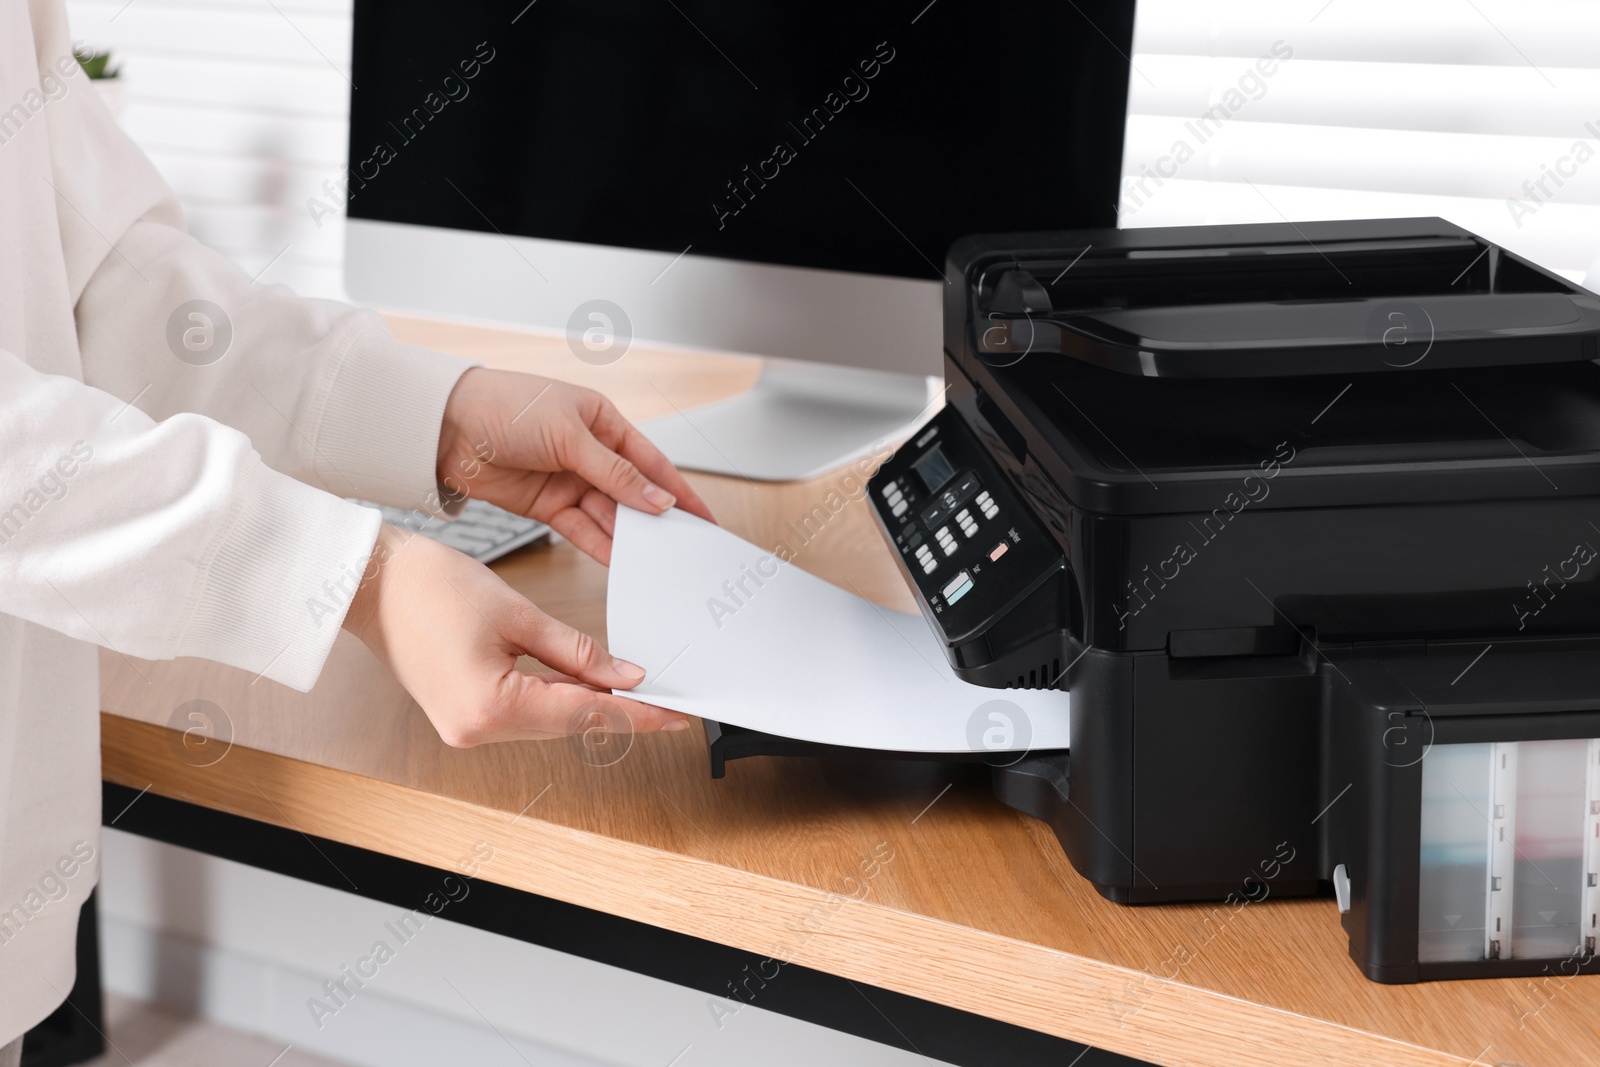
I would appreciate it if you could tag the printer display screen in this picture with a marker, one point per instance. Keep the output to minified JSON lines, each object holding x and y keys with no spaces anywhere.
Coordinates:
{"x":934,"y":469}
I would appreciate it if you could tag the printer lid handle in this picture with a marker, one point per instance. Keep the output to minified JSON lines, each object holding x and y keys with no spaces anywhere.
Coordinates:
{"x":1289,"y":338}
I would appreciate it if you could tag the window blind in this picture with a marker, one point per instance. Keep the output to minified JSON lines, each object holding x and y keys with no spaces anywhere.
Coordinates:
{"x":243,"y":106}
{"x":1485,"y":113}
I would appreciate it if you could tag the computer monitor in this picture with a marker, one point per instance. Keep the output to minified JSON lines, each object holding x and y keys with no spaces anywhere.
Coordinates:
{"x":775,"y":178}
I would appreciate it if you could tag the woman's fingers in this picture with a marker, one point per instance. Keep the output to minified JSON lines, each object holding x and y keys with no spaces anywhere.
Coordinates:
{"x":624,"y":439}
{"x":584,"y":532}
{"x":614,"y":475}
{"x":601,"y":508}
{"x":451,"y":632}
{"x":572,"y":652}
{"x":637,"y":449}
{"x":557,"y":707}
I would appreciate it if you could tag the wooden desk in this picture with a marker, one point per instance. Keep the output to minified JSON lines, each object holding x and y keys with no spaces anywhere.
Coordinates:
{"x":977,"y":910}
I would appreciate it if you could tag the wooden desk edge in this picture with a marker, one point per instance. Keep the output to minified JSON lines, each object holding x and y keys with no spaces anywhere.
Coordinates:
{"x":1072,"y":997}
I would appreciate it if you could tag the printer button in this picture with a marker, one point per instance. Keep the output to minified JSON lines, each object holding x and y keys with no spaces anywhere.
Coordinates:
{"x":963,"y":516}
{"x":930,"y":566}
{"x":899,"y":508}
{"x":990,"y":512}
{"x":892,"y":489}
{"x":957,"y":587}
{"x":950,"y":549}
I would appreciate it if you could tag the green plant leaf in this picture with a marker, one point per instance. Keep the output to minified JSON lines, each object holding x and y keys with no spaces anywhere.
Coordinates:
{"x":97,"y":65}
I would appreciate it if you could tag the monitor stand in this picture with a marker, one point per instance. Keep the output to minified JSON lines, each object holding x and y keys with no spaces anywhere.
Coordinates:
{"x":800,"y":421}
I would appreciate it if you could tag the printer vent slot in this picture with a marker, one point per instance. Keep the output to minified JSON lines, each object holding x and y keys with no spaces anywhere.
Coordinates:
{"x":1041,"y":678}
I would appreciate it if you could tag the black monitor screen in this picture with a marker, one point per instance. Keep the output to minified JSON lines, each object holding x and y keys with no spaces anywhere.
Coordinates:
{"x":842,"y":135}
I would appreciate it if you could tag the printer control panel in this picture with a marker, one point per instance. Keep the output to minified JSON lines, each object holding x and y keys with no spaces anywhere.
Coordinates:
{"x":969,"y":546}
{"x":956,"y":513}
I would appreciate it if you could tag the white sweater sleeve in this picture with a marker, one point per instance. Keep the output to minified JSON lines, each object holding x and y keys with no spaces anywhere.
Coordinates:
{"x":165,"y":496}
{"x":170,"y":539}
{"x":322,"y":390}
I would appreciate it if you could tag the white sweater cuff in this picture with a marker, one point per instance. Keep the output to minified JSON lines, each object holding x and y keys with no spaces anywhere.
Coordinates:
{"x":377,"y":437}
{"x":280,"y":578}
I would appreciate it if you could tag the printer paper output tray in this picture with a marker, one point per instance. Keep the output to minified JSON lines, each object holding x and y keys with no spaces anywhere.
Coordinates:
{"x":1032,"y":782}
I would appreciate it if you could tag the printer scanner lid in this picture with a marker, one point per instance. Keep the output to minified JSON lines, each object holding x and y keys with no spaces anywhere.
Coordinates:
{"x":1271,"y":300}
{"x":1315,"y":335}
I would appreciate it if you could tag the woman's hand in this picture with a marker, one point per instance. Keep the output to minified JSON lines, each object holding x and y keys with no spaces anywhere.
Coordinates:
{"x":451,"y":631}
{"x":558,"y":453}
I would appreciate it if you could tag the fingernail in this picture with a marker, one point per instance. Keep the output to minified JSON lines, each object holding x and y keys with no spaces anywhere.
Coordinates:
{"x":631,"y":671}
{"x":659,"y":496}
{"x":675,"y":725}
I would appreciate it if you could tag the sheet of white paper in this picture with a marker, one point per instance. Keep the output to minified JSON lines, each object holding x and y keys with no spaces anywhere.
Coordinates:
{"x":728,"y":631}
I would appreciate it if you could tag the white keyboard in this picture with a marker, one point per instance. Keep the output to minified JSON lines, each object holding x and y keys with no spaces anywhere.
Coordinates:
{"x":482,"y":530}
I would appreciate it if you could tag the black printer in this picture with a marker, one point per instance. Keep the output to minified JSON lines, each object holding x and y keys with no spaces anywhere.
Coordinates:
{"x":1306,"y":518}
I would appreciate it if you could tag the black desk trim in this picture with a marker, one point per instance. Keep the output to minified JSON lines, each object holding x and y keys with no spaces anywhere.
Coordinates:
{"x":870,"y":1012}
